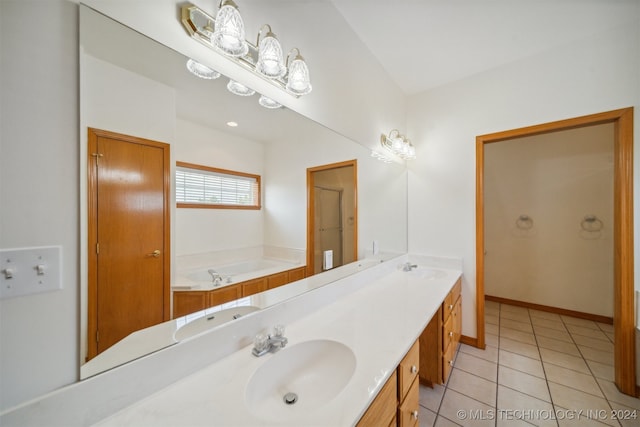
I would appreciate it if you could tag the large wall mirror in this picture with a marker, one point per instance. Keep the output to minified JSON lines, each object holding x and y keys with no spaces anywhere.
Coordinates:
{"x":133,"y":85}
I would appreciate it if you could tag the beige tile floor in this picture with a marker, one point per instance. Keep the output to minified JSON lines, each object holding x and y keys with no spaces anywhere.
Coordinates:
{"x":538,"y":368}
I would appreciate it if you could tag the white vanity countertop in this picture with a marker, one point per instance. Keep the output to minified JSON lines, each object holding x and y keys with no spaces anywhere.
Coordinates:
{"x":378,"y":322}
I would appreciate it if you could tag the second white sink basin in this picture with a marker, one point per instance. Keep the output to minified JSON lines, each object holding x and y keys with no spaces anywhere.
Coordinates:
{"x":427,"y":273}
{"x":307,"y":375}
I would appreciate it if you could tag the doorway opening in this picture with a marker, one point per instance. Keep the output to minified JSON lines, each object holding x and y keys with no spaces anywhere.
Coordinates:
{"x":332,"y":219}
{"x":128,"y":219}
{"x":623,"y":316}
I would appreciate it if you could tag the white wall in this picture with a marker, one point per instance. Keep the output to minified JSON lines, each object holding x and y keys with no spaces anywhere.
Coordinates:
{"x":556,"y":179}
{"x":39,"y":190}
{"x":598,"y":74}
{"x":207,"y":230}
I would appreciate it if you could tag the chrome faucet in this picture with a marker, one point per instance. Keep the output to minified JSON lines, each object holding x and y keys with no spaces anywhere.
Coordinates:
{"x":408,"y":266}
{"x":263,"y":344}
{"x":216,"y":278}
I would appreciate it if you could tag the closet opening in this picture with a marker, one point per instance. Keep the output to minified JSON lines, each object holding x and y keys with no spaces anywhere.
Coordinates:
{"x":622,"y":229}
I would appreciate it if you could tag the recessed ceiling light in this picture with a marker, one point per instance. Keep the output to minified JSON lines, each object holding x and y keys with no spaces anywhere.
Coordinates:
{"x":232,"y":124}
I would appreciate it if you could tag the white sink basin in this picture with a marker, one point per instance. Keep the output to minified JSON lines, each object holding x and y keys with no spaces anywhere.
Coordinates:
{"x":316,"y":371}
{"x":211,"y":320}
{"x":427,"y":273}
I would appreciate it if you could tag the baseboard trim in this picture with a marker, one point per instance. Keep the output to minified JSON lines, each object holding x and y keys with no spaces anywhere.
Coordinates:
{"x":556,"y":310}
{"x":469,"y":340}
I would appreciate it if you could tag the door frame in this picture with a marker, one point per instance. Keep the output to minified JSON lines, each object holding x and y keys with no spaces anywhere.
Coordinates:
{"x":92,"y":178}
{"x":311,"y":203}
{"x":624,"y":298}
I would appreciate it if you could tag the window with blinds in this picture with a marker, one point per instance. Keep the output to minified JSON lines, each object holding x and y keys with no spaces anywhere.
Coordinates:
{"x":200,"y":186}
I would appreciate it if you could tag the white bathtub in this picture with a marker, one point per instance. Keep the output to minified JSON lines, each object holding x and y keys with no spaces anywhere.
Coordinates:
{"x":231,"y":273}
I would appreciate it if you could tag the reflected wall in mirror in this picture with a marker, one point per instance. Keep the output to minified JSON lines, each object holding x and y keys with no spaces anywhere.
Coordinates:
{"x":135,"y":86}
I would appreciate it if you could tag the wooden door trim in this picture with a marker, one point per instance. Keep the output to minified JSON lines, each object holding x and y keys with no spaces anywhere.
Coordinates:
{"x":310,"y":209}
{"x":92,"y":294}
{"x":624,"y":316}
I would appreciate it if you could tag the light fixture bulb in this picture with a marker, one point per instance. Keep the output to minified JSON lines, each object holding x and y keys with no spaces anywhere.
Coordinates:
{"x":298,"y":81}
{"x":270,"y":60}
{"x":267,"y":102}
{"x":239,"y":89}
{"x":229,"y":30}
{"x":202,"y":71}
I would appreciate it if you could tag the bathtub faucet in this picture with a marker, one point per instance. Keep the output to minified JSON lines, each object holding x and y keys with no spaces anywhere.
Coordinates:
{"x":217,"y":279}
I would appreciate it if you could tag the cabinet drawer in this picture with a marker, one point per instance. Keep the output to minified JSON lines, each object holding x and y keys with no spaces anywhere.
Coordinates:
{"x":449,"y":333}
{"x":408,"y":370}
{"x":408,"y":411}
{"x":451,"y":299}
{"x":447,"y":362}
{"x":382,"y":410}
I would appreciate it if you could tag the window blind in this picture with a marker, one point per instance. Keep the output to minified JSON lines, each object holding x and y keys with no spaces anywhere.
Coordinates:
{"x":215,"y":188}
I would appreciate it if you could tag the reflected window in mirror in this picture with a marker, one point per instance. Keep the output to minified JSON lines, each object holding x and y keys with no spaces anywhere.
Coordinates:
{"x":199,"y":186}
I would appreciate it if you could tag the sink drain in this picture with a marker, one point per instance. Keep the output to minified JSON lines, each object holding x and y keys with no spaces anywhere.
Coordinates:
{"x":290,"y":398}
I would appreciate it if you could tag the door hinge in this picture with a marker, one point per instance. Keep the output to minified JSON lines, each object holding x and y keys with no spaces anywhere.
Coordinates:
{"x":97,"y":248}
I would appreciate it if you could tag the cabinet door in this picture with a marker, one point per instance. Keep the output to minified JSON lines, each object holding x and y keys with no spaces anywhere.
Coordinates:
{"x":255,"y":286}
{"x":383,"y":408}
{"x":277,"y":279}
{"x":222,"y":295}
{"x":186,"y":302}
{"x":408,"y":411}
{"x":408,"y":370}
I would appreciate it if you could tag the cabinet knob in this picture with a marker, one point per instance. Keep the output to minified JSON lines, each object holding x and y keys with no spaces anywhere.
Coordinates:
{"x":155,"y":253}
{"x":450,"y":362}
{"x":414,"y":369}
{"x":450,"y":306}
{"x":450,"y":334}
{"x":414,"y":414}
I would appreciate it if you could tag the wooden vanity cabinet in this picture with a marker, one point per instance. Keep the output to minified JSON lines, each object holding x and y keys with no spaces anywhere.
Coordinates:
{"x":397,"y":402}
{"x":186,"y":302}
{"x":439,"y":341}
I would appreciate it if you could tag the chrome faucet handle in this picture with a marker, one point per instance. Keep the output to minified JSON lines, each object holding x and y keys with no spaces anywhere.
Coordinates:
{"x":278,"y":331}
{"x":260,"y":343}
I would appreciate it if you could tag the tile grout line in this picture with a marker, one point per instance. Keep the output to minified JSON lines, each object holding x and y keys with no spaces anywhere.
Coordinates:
{"x":584,"y":359}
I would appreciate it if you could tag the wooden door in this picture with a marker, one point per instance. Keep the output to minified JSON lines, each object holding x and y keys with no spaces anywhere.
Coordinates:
{"x":129,"y":236}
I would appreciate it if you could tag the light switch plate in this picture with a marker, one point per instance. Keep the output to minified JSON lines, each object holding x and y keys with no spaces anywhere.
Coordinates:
{"x":28,"y":271}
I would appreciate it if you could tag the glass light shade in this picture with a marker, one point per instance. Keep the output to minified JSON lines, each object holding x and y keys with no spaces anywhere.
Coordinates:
{"x":270,"y":60}
{"x":298,"y":79}
{"x":202,"y":71}
{"x":268,"y":102}
{"x":229,"y":31}
{"x":239,"y":89}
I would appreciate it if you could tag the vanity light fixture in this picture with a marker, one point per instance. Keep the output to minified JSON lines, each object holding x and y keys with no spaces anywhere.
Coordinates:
{"x":239,"y":89}
{"x":398,"y":144}
{"x":298,"y":78}
{"x":270,"y":60}
{"x":228,"y":34}
{"x":202,"y":71}
{"x":225,"y":34}
{"x":267,"y":102}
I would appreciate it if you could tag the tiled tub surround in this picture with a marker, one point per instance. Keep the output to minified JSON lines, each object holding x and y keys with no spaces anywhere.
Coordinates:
{"x":534,"y":361}
{"x":378,"y":312}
